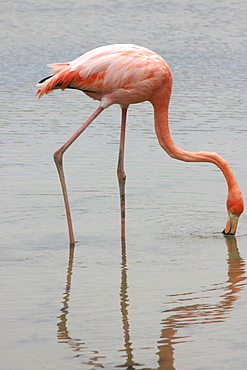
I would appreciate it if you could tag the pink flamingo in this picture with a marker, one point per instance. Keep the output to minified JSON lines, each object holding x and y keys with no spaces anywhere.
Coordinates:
{"x":126,"y":74}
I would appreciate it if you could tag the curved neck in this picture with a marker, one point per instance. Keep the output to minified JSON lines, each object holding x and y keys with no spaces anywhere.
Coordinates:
{"x":166,"y":142}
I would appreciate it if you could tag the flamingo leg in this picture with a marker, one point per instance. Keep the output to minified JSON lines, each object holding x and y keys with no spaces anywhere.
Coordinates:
{"x":122,"y":177}
{"x":58,"y":158}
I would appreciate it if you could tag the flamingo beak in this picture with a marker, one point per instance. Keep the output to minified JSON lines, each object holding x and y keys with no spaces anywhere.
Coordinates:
{"x":231,"y":225}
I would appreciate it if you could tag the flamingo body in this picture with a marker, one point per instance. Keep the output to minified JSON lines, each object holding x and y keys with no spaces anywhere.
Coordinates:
{"x":113,"y":74}
{"x":126,"y":74}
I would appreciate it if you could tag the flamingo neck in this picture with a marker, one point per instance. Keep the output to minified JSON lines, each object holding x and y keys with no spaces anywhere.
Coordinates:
{"x":166,"y":142}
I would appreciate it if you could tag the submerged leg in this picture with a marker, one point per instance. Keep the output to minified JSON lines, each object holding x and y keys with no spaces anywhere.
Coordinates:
{"x":58,"y":158}
{"x":121,"y":176}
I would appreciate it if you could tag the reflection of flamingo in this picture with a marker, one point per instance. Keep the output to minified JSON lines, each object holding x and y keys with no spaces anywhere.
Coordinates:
{"x":127,"y":74}
{"x":183,"y":314}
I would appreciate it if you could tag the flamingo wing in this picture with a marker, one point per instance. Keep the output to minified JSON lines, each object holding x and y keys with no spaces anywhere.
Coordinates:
{"x":105,"y":70}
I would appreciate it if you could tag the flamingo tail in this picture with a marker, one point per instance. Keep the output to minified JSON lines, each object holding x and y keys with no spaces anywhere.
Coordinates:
{"x":59,"y":79}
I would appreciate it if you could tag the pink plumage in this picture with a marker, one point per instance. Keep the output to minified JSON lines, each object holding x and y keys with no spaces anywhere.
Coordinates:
{"x":115,"y":74}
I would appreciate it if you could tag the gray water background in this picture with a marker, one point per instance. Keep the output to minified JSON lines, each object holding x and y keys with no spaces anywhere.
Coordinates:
{"x":179,"y":299}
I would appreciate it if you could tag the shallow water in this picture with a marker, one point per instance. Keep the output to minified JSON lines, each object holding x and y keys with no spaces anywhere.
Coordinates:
{"x":178,"y":300}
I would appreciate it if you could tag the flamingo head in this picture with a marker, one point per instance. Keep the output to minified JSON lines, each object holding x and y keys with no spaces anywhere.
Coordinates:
{"x":235,"y":206}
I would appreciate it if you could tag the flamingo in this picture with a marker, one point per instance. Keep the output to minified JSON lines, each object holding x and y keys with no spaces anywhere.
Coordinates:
{"x":126,"y":74}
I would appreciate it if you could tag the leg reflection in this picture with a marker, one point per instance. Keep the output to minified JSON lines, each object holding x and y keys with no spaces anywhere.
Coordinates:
{"x":63,"y":334}
{"x":62,"y":330}
{"x":129,"y":364}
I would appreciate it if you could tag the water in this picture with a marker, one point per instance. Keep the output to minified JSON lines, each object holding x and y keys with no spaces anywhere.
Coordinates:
{"x":178,"y":300}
